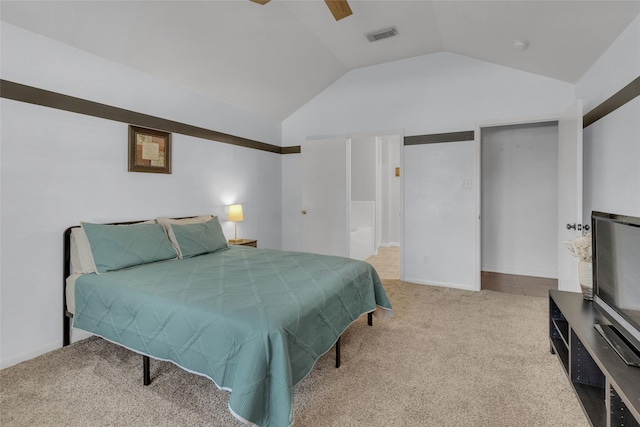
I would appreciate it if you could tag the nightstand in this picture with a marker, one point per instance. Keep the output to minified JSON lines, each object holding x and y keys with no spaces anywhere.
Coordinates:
{"x":244,"y":242}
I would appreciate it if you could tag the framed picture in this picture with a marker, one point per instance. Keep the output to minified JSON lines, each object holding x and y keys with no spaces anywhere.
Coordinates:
{"x":149,"y":150}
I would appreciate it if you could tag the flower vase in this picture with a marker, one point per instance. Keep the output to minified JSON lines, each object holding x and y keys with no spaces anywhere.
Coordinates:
{"x":585,"y":273}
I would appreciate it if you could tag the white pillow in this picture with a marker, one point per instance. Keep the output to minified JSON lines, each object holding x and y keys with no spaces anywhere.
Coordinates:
{"x":166,"y":221}
{"x":81,"y":258}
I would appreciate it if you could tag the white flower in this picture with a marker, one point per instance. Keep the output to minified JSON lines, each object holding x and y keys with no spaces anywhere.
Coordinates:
{"x":581,"y":247}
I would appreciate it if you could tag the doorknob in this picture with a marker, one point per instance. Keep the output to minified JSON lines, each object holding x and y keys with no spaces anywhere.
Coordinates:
{"x":303,"y":211}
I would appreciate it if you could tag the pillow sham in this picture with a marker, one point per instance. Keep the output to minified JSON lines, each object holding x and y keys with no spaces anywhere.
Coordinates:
{"x":167,"y":221}
{"x":200,"y":238}
{"x":116,"y":247}
{"x":80,"y":250}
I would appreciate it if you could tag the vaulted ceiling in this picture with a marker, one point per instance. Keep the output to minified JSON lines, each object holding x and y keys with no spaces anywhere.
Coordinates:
{"x":273,"y":59}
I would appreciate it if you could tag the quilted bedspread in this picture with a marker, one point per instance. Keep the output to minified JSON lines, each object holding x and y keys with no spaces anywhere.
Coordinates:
{"x":253,"y":320}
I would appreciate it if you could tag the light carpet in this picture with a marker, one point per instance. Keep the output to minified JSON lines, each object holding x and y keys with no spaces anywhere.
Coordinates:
{"x":447,"y":358}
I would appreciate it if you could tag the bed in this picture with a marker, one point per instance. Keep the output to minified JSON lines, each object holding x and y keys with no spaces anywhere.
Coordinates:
{"x":252,"y":320}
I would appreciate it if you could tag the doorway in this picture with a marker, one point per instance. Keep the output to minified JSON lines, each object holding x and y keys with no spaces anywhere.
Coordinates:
{"x":352,"y":196}
{"x":376,"y":202}
{"x":519,"y":208}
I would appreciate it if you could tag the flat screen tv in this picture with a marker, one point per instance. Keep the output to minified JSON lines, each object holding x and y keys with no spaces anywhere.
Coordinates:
{"x":616,"y":280}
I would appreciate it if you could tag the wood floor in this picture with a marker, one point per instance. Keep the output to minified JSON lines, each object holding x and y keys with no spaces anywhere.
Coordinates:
{"x":387,"y":264}
{"x":520,"y":285}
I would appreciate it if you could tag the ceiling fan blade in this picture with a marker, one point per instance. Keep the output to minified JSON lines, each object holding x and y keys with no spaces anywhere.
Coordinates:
{"x":339,"y":8}
{"x":262,"y":2}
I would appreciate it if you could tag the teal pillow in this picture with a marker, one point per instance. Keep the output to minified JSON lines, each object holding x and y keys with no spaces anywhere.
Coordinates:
{"x":198,"y":239}
{"x":115,"y":247}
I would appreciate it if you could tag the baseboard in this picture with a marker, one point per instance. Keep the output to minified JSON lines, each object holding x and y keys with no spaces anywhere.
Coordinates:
{"x":439,"y":284}
{"x":76,"y":335}
{"x":545,"y":274}
{"x":10,"y":361}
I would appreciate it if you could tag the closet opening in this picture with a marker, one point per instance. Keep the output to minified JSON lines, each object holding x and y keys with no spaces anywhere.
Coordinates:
{"x":519,"y":208}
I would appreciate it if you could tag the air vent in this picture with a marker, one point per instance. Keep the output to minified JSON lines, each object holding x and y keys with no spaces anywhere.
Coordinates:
{"x":382,"y":34}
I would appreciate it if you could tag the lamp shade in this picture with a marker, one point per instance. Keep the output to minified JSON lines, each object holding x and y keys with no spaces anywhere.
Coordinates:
{"x":235,"y":213}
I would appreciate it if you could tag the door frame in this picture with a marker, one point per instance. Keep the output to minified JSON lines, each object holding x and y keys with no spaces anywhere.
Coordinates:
{"x":478,"y":144}
{"x":571,"y":207}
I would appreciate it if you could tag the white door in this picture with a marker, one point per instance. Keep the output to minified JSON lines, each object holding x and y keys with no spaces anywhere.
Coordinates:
{"x":326,"y":184}
{"x":569,"y":194}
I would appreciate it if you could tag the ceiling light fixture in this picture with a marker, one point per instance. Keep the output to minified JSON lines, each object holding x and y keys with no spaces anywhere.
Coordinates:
{"x":520,"y":44}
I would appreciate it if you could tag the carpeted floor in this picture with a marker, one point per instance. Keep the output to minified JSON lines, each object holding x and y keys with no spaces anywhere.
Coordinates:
{"x":446,"y":358}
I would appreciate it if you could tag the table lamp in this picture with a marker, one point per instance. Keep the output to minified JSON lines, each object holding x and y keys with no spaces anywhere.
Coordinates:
{"x":235,"y":215}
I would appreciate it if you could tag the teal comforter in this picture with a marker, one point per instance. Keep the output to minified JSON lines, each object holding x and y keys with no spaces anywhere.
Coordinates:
{"x":253,"y":320}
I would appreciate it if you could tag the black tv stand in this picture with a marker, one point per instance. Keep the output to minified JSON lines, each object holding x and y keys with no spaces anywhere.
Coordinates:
{"x":607,"y":388}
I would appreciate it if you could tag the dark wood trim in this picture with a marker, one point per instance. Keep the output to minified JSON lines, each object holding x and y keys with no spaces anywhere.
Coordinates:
{"x":294,"y":149}
{"x":45,"y":98}
{"x":436,"y":138}
{"x":616,"y":101}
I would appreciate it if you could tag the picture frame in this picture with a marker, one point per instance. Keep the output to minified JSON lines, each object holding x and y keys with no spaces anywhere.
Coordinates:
{"x":149,"y":150}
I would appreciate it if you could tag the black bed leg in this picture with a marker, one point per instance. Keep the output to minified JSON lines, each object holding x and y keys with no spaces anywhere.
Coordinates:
{"x":370,"y":319}
{"x":66,"y":329}
{"x":338,"y":353}
{"x":145,"y":369}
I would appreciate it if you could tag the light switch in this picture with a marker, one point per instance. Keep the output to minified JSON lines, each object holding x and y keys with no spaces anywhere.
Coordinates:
{"x":466,"y":184}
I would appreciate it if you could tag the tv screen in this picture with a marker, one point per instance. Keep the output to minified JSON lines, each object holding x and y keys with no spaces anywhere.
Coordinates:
{"x":616,"y":268}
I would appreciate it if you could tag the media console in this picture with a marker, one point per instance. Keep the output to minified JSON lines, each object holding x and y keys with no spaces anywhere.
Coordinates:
{"x":608,"y":389}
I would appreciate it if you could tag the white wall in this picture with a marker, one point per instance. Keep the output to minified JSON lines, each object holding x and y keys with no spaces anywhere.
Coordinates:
{"x":435,"y":93}
{"x":612,"y":144}
{"x":363,"y":168}
{"x":391,"y":191}
{"x":439,"y":215}
{"x":520,"y":199}
{"x":59,"y":168}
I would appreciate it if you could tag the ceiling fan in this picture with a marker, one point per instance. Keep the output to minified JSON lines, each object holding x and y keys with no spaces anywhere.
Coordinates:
{"x":339,"y":8}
